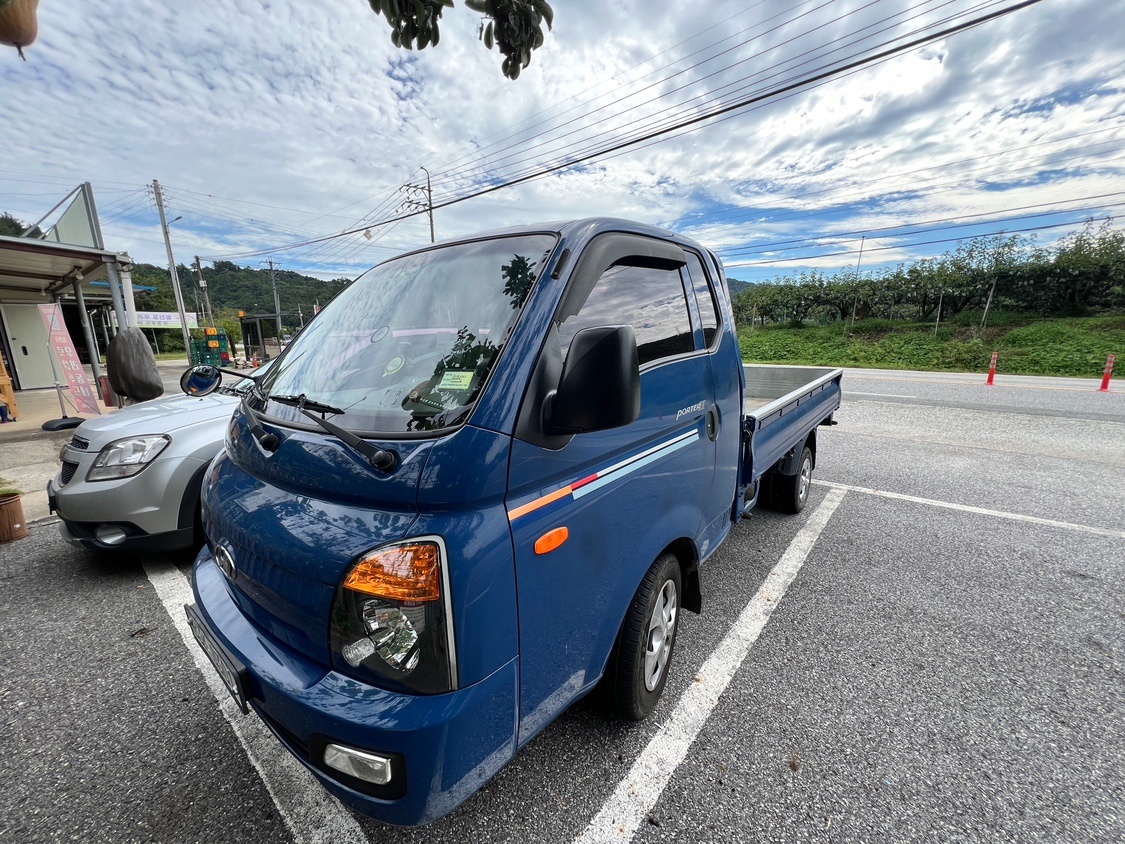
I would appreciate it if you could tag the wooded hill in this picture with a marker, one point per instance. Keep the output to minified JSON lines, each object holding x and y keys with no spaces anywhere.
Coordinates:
{"x":233,"y":288}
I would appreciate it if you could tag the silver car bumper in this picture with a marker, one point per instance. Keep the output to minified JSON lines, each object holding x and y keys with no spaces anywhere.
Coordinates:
{"x":153,"y":509}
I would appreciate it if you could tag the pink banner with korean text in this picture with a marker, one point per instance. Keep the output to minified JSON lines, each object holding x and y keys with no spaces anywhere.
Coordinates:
{"x":84,"y":399}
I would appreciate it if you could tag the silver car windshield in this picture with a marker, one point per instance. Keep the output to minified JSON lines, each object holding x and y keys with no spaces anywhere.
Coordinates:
{"x":408,"y":346}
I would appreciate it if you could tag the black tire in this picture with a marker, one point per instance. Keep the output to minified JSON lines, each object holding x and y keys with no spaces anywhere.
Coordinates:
{"x":638,"y":667}
{"x":790,"y":493}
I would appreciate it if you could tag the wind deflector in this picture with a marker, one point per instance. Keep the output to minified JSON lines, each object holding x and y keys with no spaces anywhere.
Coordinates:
{"x":616,"y":249}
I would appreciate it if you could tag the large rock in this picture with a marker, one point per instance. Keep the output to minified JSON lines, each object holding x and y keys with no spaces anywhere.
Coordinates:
{"x":131,"y":366}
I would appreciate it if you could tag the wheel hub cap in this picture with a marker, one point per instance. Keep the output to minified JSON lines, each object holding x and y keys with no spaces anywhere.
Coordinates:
{"x":661,"y":629}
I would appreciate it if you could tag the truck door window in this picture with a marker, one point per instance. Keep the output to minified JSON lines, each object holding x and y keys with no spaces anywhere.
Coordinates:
{"x":650,"y":300}
{"x":704,"y":297}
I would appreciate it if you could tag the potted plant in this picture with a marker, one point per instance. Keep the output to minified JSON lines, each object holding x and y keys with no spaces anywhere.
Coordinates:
{"x":13,"y":525}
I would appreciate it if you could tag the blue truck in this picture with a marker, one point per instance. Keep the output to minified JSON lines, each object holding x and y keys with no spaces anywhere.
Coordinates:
{"x":481,"y":483}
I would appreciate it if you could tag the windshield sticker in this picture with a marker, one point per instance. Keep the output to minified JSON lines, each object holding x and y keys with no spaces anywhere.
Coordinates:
{"x":454,"y":379}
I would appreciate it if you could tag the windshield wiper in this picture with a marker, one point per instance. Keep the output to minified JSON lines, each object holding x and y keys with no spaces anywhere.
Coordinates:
{"x":303,"y":402}
{"x":377,"y":457}
{"x":266,"y":440}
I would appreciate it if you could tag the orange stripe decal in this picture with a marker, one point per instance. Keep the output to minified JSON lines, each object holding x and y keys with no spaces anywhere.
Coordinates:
{"x":591,"y":483}
{"x":532,"y":506}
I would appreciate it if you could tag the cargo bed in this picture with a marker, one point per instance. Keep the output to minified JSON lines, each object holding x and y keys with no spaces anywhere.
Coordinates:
{"x":781,"y":406}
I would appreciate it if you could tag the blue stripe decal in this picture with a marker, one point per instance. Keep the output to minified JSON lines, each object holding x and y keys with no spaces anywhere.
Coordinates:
{"x":620,"y":470}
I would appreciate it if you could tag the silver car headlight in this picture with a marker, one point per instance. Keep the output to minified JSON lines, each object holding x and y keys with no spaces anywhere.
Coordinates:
{"x":125,"y":458}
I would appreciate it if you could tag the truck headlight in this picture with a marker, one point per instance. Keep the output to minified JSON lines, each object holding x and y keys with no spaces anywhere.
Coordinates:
{"x":391,"y":622}
{"x":124,"y":458}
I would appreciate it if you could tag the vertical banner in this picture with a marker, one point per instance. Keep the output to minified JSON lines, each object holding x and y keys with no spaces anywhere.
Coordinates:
{"x":84,"y":398}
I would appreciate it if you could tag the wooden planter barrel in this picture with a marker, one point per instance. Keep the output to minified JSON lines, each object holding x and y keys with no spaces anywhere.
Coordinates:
{"x":12,"y":523}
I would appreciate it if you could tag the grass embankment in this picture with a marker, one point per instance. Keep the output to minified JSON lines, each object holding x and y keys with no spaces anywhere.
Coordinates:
{"x":1026,"y":346}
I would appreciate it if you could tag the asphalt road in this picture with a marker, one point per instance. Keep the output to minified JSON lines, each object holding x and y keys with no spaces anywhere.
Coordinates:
{"x":946,"y":665}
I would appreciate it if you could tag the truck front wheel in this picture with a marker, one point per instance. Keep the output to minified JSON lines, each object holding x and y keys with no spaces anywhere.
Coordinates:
{"x":638,"y":667}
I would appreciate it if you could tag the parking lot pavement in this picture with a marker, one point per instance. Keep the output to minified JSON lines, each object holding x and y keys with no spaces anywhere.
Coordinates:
{"x":933,"y":676}
{"x":945,"y":665}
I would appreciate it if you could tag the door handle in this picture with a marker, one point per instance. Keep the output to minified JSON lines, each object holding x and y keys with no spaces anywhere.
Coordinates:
{"x":712,"y":423}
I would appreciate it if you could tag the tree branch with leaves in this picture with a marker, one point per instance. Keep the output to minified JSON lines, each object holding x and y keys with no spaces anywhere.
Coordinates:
{"x":515,"y":27}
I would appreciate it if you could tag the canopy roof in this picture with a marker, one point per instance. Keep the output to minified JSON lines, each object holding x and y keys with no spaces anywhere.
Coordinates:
{"x":43,"y":267}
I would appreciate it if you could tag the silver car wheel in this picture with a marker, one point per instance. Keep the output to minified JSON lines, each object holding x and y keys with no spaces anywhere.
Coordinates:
{"x":661,"y":629}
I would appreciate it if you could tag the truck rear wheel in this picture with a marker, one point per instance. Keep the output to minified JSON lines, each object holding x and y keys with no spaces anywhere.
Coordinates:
{"x":638,"y":667}
{"x":790,"y":493}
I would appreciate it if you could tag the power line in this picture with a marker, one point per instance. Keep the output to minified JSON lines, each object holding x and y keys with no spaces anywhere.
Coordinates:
{"x":804,"y":243}
{"x":304,"y":211}
{"x":736,"y":264}
{"x":676,"y":110}
{"x":914,"y":192}
{"x":673,"y":122}
{"x":485,"y":161}
{"x":900,"y":175}
{"x":697,"y":119}
{"x":510,"y":132}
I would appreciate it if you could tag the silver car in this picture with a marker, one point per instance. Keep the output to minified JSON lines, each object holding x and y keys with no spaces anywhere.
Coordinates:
{"x":131,"y":479}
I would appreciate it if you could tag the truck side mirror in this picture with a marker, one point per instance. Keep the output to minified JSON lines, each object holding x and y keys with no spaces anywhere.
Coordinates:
{"x":201,"y":380}
{"x":600,"y":387}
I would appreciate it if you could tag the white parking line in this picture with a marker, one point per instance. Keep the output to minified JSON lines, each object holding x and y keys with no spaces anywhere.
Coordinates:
{"x":311,"y":813}
{"x":881,"y":395}
{"x":966,"y":508}
{"x":625,"y":810}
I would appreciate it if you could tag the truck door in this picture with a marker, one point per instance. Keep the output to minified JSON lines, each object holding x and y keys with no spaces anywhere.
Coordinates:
{"x":621,"y":495}
{"x":725,"y":415}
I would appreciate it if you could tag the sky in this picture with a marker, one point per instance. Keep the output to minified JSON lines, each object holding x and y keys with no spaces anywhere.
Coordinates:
{"x":271,"y":124}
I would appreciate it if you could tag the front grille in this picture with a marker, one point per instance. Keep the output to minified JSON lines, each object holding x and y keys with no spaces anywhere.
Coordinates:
{"x":298,"y":747}
{"x":68,"y":470}
{"x":79,"y":444}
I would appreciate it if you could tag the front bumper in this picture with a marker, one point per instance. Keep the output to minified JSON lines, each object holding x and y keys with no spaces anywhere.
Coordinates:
{"x":82,"y":535}
{"x":149,"y":506}
{"x":446,"y":746}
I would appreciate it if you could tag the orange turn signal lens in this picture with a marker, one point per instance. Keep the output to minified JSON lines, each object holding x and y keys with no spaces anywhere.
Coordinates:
{"x":551,"y":540}
{"x":400,"y":573}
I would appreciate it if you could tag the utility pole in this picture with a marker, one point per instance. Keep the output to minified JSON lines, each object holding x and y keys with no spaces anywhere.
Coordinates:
{"x":172,"y":266}
{"x":276,"y":303}
{"x":210,"y":315}
{"x":414,"y":205}
{"x":855,"y":303}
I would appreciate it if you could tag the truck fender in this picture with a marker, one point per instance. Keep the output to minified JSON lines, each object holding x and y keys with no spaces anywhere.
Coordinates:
{"x":684,"y":550}
{"x":791,"y":462}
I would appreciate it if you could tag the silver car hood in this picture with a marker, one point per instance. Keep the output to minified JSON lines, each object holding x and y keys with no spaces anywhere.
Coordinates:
{"x":159,"y":416}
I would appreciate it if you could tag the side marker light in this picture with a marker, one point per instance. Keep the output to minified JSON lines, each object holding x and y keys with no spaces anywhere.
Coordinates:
{"x":551,"y":540}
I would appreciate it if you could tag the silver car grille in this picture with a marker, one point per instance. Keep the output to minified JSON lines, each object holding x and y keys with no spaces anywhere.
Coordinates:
{"x":68,"y":470}
{"x":79,"y":444}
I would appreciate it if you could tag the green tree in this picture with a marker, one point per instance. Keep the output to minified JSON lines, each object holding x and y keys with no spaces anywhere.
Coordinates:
{"x":1084,"y":273}
{"x":514,"y":26}
{"x":11,"y":227}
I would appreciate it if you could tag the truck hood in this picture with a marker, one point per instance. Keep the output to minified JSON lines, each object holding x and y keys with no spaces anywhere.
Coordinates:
{"x":293,"y":521}
{"x":159,"y":416}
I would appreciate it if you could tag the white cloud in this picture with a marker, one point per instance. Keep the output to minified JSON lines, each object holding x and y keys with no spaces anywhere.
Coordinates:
{"x":275,"y":122}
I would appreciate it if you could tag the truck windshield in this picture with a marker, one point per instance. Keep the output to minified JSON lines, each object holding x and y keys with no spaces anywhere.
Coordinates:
{"x":408,"y":346}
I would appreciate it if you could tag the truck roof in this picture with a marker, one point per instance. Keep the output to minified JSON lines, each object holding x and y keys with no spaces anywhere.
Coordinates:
{"x":581,"y":229}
